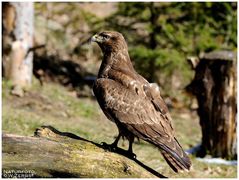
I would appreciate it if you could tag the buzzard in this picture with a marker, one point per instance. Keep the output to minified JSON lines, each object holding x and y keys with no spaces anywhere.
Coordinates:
{"x":134,"y":104}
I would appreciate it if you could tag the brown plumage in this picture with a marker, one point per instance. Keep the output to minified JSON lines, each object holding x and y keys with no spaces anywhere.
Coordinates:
{"x":133,"y":103}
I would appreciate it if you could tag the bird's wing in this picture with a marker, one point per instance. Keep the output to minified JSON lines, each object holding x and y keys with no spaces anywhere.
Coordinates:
{"x":139,"y":111}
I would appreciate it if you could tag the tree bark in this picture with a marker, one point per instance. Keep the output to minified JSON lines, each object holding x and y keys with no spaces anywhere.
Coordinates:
{"x":214,"y":86}
{"x":17,"y":40}
{"x":57,"y":154}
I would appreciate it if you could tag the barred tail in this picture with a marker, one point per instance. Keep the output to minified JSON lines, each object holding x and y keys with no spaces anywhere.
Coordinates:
{"x":182,"y":165}
{"x":178,"y":159}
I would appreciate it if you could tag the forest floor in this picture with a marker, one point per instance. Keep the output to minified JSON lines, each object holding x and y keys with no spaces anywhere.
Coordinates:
{"x":52,"y":104}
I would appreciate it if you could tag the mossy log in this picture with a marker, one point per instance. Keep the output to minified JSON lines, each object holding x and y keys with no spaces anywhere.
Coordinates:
{"x":51,"y":153}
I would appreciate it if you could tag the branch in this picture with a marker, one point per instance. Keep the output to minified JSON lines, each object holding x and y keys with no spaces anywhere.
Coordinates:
{"x":34,"y":49}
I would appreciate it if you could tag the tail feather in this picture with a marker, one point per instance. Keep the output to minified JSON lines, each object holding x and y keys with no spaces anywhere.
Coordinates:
{"x":174,"y":163}
{"x":178,"y":159}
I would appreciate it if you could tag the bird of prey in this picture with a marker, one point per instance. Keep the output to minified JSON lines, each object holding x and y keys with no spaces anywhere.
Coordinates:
{"x":132,"y":103}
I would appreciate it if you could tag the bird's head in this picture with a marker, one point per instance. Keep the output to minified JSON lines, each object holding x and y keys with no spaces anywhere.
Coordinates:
{"x":110,"y":41}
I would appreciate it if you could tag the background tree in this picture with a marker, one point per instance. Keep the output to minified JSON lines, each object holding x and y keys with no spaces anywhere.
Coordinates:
{"x":17,"y":41}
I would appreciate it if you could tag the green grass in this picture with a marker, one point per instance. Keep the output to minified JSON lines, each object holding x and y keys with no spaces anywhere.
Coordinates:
{"x":54,"y":105}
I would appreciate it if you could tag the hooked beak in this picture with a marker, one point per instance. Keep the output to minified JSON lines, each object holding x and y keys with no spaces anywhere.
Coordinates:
{"x":96,"y":38}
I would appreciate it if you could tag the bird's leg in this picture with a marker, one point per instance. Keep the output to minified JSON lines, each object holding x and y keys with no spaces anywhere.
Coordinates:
{"x":113,"y":146}
{"x":116,"y":141}
{"x":130,"y":150}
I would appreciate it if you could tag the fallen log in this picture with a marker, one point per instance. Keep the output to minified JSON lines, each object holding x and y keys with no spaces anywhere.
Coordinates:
{"x":51,"y":153}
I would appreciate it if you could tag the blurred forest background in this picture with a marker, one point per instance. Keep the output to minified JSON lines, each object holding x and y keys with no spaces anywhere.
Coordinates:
{"x":160,"y":35}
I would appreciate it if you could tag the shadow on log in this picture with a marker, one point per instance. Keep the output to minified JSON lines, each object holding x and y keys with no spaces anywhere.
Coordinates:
{"x":52,"y":153}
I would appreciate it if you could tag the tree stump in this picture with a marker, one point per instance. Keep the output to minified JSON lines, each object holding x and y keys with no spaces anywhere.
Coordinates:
{"x":214,"y":86}
{"x":58,"y":154}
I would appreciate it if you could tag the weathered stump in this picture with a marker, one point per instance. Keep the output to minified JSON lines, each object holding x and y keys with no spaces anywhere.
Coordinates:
{"x":56,"y":154}
{"x":214,"y":86}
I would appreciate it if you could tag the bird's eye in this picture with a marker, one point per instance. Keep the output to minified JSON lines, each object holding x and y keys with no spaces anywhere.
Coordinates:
{"x":106,"y":36}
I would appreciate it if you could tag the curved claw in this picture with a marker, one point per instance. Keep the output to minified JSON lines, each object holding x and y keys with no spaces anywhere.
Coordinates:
{"x":132,"y":155}
{"x":103,"y":143}
{"x":109,"y":147}
{"x":113,"y":148}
